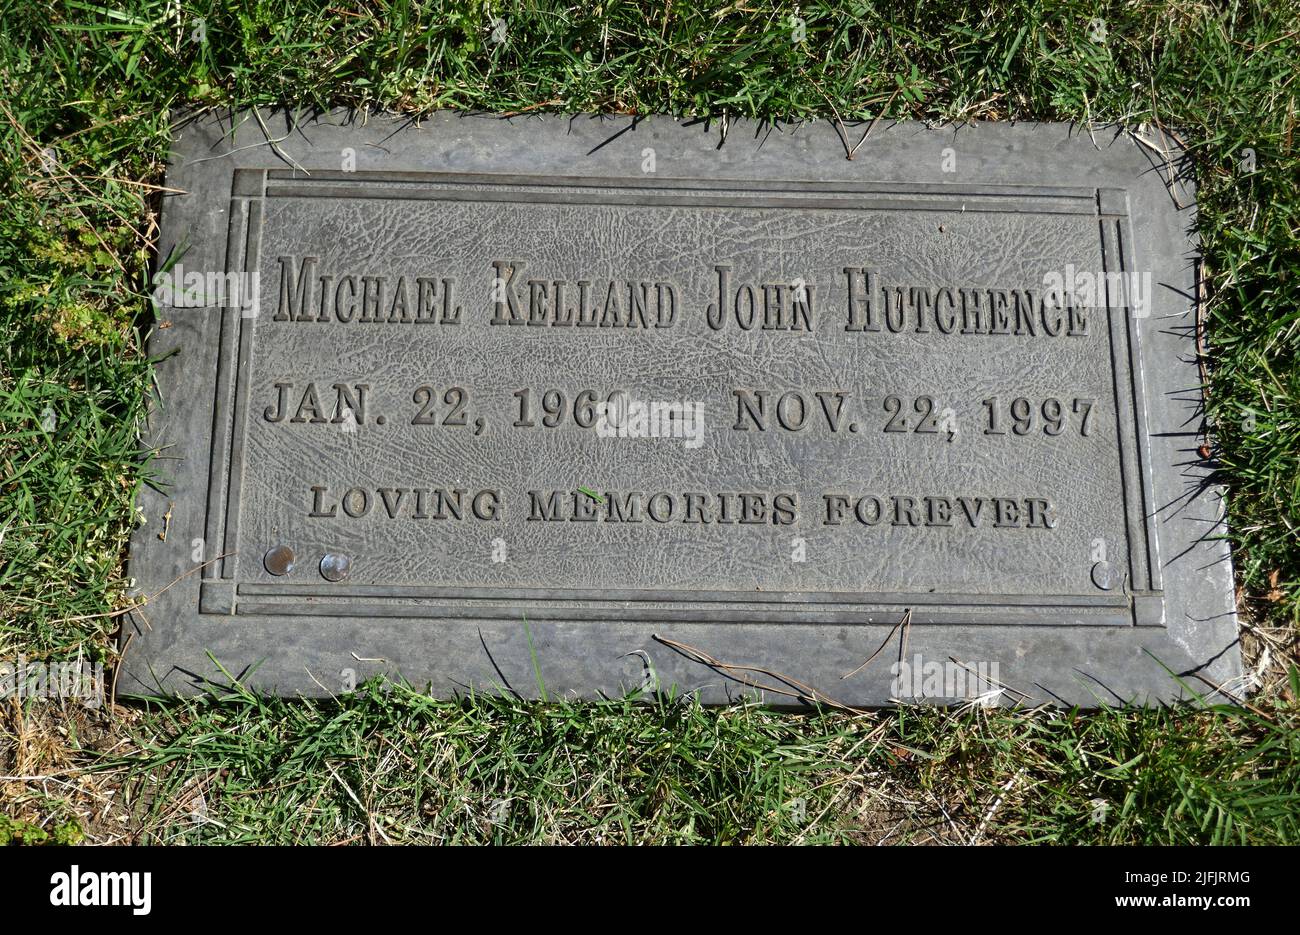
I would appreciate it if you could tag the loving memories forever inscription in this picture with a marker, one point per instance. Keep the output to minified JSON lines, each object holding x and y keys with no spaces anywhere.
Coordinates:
{"x":606,"y":401}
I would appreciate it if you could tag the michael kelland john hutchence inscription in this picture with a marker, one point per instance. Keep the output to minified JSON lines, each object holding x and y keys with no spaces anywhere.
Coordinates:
{"x":447,"y":401}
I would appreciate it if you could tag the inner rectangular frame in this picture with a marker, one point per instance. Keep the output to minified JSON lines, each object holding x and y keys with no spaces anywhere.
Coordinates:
{"x":1139,"y":603}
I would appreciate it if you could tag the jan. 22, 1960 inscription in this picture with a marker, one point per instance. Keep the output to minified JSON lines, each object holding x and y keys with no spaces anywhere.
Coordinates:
{"x":610,"y":405}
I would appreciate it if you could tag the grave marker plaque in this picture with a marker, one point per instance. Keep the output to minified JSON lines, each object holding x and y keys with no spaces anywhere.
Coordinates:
{"x":616,"y":398}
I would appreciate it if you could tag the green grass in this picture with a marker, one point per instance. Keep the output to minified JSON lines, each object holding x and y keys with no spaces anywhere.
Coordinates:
{"x":395,"y":766}
{"x":86,"y":92}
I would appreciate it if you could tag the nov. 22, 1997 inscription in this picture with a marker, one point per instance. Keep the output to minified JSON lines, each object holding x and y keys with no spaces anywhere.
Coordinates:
{"x":591,"y":406}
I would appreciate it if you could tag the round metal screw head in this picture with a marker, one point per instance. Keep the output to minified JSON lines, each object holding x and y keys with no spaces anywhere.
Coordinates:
{"x":335,"y":567}
{"x":279,"y":560}
{"x":1105,"y":575}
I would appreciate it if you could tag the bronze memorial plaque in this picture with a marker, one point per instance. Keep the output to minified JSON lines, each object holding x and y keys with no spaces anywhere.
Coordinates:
{"x":621,"y":404}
